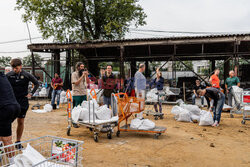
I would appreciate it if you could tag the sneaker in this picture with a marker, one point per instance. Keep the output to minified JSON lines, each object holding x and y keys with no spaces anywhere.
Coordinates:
{"x":57,"y":107}
{"x":216,"y":124}
{"x":18,"y":145}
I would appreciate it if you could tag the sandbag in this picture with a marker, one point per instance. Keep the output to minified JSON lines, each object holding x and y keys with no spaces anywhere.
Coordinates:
{"x":85,"y":104}
{"x":103,"y":113}
{"x":206,"y":118}
{"x":76,"y":113}
{"x":147,"y":125}
{"x":176,"y":110}
{"x":135,"y":123}
{"x":195,"y":118}
{"x":84,"y":115}
{"x":193,"y":109}
{"x":184,"y":116}
{"x":152,"y":96}
{"x":48,"y":107}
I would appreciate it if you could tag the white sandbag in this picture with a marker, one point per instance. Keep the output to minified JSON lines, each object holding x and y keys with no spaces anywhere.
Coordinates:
{"x":76,"y":113}
{"x":48,"y":107}
{"x":195,"y":118}
{"x":135,"y":123}
{"x":225,"y":106}
{"x":152,"y":96}
{"x":206,"y":118}
{"x":180,"y":102}
{"x":184,"y":116}
{"x":39,"y":111}
{"x":147,"y":125}
{"x":176,"y":110}
{"x":84,"y":114}
{"x":43,"y":92}
{"x":103,"y":113}
{"x":193,"y":109}
{"x":85,"y":104}
{"x":134,"y":107}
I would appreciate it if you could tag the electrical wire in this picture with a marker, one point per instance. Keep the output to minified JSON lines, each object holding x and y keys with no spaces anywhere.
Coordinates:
{"x":19,"y":40}
{"x":10,"y":52}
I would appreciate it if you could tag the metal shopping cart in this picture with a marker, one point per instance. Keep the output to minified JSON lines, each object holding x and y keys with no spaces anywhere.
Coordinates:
{"x":94,"y":125}
{"x":54,"y":151}
{"x":246,"y":106}
{"x":153,"y":97}
{"x":127,"y":106}
{"x":237,"y":94}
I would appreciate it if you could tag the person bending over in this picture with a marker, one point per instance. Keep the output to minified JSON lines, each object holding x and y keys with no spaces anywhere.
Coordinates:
{"x":19,"y":80}
{"x":219,"y":100}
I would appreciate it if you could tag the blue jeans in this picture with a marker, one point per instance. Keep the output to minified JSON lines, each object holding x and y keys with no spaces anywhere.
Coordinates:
{"x":107,"y":101}
{"x":55,"y":93}
{"x":194,"y":97}
{"x":218,"y":109}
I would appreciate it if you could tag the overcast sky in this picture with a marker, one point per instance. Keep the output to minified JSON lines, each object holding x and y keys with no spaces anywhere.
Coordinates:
{"x":170,"y":15}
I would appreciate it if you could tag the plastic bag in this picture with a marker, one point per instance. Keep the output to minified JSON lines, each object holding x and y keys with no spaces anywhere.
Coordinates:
{"x":47,"y":108}
{"x":206,"y":118}
{"x":193,"y":109}
{"x":85,"y":104}
{"x":76,"y":113}
{"x":176,"y":110}
{"x":195,"y":118}
{"x":147,"y":125}
{"x":135,"y":123}
{"x":103,"y":113}
{"x":184,"y":116}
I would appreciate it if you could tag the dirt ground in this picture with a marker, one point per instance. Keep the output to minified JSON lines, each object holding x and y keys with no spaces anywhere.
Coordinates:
{"x":183,"y":144}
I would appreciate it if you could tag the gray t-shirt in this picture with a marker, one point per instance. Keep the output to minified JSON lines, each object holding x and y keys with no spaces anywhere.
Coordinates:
{"x":140,"y":81}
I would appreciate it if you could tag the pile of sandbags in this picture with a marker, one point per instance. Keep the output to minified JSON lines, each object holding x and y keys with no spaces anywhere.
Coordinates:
{"x":142,"y":124}
{"x":89,"y":111}
{"x":43,"y":92}
{"x":152,"y":96}
{"x":192,"y":113}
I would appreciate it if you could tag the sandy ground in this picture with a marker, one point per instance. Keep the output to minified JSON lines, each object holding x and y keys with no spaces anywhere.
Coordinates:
{"x":183,"y":144}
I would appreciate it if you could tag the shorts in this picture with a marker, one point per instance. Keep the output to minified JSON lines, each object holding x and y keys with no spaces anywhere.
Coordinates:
{"x":8,"y":114}
{"x":24,"y":104}
{"x":77,"y":100}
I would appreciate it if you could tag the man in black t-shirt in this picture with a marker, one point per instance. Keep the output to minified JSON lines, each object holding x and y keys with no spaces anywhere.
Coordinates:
{"x":9,"y":110}
{"x":19,"y":80}
{"x":195,"y":95}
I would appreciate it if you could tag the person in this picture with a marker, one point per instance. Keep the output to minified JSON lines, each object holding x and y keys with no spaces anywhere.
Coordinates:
{"x":195,"y":95}
{"x":109,"y":85}
{"x":79,"y":80}
{"x":219,"y":100}
{"x":158,"y":82}
{"x":214,"y":79}
{"x":9,"y":110}
{"x":7,"y":70}
{"x":231,"y":81}
{"x":56,"y":84}
{"x":140,"y":85}
{"x":19,"y":80}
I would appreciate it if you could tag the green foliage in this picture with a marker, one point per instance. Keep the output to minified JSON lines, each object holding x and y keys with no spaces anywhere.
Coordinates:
{"x":83,"y":19}
{"x":180,"y":67}
{"x":5,"y":61}
{"x":27,"y":61}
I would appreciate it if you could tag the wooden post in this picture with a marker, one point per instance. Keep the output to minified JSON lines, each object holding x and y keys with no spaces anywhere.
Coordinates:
{"x":33,"y":64}
{"x":184,"y":92}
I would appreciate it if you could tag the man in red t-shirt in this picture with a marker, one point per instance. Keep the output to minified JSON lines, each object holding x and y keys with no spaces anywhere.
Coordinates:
{"x":56,"y":84}
{"x":214,"y":79}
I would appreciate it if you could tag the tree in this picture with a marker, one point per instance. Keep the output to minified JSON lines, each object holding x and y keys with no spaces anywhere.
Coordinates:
{"x":27,"y":61}
{"x":180,"y":67}
{"x":5,"y":61}
{"x":83,"y":19}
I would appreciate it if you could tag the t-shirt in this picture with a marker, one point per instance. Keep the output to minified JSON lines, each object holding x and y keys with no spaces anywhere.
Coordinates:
{"x":140,"y":81}
{"x":7,"y":96}
{"x":214,"y":94}
{"x":158,"y":83}
{"x":109,"y":84}
{"x":232,"y":82}
{"x":58,"y":81}
{"x":78,"y":90}
{"x":215,"y":81}
{"x":20,"y":83}
{"x":198,"y":87}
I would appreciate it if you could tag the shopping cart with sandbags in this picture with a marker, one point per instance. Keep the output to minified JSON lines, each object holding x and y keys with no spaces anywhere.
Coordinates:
{"x":127,"y":108}
{"x":154,"y":97}
{"x":246,"y":106}
{"x":46,"y":151}
{"x":89,"y":115}
{"x":238,"y":103}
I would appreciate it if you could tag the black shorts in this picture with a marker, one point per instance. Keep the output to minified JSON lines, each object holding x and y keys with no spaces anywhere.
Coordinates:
{"x":8,"y":114}
{"x":24,"y":104}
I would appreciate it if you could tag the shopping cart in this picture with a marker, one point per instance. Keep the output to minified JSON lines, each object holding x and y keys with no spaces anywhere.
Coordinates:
{"x":237,"y":94}
{"x":94,"y":125}
{"x":246,"y":106}
{"x":153,"y":98}
{"x":54,"y":151}
{"x":127,"y":106}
